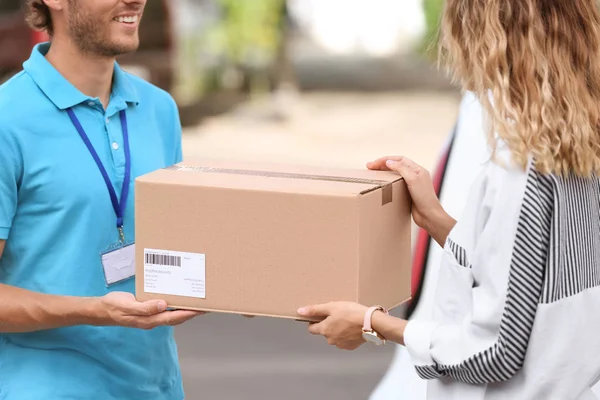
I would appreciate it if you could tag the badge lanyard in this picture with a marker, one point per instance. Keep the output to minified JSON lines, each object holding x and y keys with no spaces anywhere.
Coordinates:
{"x":118,"y":205}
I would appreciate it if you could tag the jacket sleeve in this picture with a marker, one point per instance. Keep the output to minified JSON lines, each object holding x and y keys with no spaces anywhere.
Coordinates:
{"x":489,"y":290}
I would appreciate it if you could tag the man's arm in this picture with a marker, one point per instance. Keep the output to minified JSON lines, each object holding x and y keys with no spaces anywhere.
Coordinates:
{"x":27,"y":311}
{"x":24,"y":311}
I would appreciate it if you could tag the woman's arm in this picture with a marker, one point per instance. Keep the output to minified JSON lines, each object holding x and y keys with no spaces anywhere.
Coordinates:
{"x":489,"y":287}
{"x":439,"y":224}
{"x":391,"y":328}
{"x":427,"y":211}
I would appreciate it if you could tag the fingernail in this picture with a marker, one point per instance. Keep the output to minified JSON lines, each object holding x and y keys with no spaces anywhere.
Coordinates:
{"x":161,"y":306}
{"x":390,"y":162}
{"x":302,"y":310}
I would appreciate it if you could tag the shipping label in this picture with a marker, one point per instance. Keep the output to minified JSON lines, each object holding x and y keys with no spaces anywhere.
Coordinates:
{"x":175,"y":273}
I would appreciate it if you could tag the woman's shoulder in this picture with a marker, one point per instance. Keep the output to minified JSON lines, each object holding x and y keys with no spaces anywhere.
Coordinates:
{"x":502,"y":177}
{"x":494,"y":198}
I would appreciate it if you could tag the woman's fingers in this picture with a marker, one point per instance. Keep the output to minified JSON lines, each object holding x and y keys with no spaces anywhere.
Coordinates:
{"x":380,"y":163}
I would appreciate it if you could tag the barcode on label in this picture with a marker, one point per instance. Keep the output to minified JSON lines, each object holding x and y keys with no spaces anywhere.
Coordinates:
{"x":163,"y":260}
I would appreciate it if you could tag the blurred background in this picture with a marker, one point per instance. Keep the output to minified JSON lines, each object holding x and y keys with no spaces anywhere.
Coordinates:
{"x":330,"y":82}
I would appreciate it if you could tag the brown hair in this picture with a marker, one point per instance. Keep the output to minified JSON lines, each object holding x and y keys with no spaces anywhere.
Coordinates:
{"x":38,"y":16}
{"x":535,"y":67}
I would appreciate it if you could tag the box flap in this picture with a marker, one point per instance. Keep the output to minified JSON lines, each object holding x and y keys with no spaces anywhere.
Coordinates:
{"x":276,"y":177}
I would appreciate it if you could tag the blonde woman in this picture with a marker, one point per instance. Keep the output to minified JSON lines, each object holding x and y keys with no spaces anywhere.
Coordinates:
{"x":517,"y":307}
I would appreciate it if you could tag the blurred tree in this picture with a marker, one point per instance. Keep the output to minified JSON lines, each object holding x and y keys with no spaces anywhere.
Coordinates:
{"x":250,"y":36}
{"x":229,"y":49}
{"x":433,"y":13}
{"x":284,"y":75}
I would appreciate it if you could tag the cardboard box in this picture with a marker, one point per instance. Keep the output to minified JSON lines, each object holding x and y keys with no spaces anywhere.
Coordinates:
{"x":265,"y":239}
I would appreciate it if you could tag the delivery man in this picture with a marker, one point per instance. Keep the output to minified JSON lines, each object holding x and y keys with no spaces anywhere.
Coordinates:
{"x":75,"y":131}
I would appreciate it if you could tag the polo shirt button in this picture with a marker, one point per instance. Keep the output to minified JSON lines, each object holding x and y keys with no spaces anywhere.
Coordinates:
{"x":91,"y":104}
{"x":107,"y":121}
{"x":115,"y":146}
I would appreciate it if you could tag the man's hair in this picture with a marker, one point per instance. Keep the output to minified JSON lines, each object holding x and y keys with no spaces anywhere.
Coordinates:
{"x":38,"y":16}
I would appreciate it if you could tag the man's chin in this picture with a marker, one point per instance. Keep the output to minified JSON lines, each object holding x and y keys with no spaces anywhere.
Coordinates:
{"x":120,"y":46}
{"x":127,"y":50}
{"x":127,"y":46}
{"x":120,"y":50}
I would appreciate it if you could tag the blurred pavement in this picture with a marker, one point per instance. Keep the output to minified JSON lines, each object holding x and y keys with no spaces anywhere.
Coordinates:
{"x":344,"y":129}
{"x":231,"y":357}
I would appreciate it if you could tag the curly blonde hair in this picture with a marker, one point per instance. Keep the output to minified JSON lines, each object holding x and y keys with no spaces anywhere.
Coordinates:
{"x":535,"y":67}
{"x":38,"y":16}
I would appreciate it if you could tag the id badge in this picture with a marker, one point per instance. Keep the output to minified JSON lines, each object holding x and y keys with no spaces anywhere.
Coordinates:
{"x":118,"y":263}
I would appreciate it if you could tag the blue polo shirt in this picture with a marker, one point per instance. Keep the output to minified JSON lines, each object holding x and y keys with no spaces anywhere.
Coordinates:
{"x":57,"y":217}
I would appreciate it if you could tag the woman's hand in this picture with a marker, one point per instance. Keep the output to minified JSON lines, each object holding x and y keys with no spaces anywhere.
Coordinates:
{"x":342,"y":324}
{"x":427,"y":210}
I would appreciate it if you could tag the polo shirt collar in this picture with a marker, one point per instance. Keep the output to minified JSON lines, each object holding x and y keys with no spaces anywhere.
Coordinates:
{"x":122,"y":86}
{"x":61,"y":92}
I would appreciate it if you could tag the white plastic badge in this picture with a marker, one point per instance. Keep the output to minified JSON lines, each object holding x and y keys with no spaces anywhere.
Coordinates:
{"x":119,"y":264}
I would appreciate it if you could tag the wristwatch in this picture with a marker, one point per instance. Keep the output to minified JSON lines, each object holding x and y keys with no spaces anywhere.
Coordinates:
{"x":368,"y":333}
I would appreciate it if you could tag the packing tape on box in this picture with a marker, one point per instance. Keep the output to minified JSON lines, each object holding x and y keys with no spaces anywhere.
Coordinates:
{"x":385,"y":186}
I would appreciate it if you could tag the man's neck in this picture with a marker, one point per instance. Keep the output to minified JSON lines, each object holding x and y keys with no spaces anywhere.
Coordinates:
{"x":91,"y":75}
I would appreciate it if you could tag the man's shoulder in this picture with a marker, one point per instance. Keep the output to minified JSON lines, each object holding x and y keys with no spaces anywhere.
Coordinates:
{"x":17,"y":98}
{"x":13,"y":82}
{"x":17,"y":87}
{"x":147,"y":90}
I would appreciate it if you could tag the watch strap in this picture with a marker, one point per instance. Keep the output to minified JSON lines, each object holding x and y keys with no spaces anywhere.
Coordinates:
{"x":369,"y":315}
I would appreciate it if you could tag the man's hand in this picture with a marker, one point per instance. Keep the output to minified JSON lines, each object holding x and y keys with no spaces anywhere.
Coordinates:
{"x":427,"y":210}
{"x":342,"y":324}
{"x":122,"y":309}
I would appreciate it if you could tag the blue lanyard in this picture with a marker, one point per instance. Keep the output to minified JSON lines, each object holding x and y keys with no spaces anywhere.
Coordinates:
{"x":118,"y":206}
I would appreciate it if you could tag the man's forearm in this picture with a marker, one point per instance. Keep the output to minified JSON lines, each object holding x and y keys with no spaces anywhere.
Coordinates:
{"x":27,"y":311}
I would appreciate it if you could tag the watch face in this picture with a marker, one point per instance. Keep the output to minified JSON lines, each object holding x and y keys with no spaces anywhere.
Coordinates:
{"x":372,"y":338}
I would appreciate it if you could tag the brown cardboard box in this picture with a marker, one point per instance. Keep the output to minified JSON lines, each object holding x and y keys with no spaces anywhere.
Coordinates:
{"x":264,"y":239}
